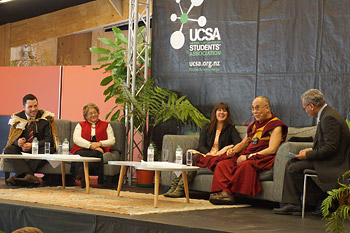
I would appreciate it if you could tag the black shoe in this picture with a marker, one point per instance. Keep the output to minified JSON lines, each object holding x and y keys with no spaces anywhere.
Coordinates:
{"x":82,"y":182}
{"x":288,"y":209}
{"x":317,"y":212}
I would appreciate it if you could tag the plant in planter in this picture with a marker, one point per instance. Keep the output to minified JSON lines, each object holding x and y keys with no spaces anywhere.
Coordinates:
{"x":152,"y":104}
{"x":342,"y":194}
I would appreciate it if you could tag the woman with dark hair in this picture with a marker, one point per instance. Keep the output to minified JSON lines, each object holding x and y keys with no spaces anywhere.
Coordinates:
{"x":92,"y":138}
{"x":215,"y":139}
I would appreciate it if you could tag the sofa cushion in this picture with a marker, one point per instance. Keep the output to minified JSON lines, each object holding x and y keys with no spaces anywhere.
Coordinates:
{"x":63,"y":129}
{"x":301,"y":132}
{"x":266,"y":175}
{"x":204,"y":170}
{"x":108,"y":156}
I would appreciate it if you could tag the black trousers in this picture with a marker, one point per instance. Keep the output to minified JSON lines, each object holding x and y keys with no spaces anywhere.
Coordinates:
{"x":94,"y":168}
{"x":294,"y":181}
{"x":21,"y":166}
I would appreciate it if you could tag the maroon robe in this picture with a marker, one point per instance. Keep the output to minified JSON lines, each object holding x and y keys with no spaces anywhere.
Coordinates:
{"x":243,"y":177}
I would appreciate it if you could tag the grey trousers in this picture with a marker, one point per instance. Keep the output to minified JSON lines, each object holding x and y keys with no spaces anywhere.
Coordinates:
{"x":21,"y":166}
{"x":294,"y":181}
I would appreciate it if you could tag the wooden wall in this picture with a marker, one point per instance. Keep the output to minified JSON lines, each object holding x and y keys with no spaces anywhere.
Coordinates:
{"x":61,"y":23}
{"x":74,"y":49}
{"x":5,"y":51}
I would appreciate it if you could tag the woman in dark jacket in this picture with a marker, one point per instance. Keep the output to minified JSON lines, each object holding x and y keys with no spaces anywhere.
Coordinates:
{"x":215,"y":139}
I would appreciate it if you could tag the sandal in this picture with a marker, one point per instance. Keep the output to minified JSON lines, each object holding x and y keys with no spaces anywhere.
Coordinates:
{"x":222,"y":198}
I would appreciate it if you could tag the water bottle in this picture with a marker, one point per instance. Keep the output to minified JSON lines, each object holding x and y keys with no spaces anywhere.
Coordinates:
{"x":178,"y":155}
{"x":65,"y":147}
{"x":35,"y":146}
{"x":150,"y":153}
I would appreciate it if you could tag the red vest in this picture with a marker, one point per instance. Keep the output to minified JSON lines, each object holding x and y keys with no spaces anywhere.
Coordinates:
{"x":100,"y":134}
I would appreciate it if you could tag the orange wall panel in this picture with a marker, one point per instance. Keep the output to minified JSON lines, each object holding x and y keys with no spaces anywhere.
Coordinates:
{"x":16,"y":82}
{"x":81,"y":85}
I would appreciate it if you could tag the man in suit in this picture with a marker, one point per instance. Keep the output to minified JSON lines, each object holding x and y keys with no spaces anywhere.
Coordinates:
{"x":25,"y":126}
{"x":329,"y":156}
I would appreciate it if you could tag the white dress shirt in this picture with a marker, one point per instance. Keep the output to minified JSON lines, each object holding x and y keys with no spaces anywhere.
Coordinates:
{"x":80,"y":141}
{"x":319,"y":113}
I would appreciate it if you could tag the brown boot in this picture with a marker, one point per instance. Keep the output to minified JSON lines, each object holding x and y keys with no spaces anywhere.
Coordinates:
{"x":180,"y":191}
{"x":174,"y":182}
{"x":11,"y":180}
{"x":28,"y":180}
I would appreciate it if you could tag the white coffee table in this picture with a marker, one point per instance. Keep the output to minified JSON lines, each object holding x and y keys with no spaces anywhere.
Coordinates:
{"x":157,"y":167}
{"x":59,"y":158}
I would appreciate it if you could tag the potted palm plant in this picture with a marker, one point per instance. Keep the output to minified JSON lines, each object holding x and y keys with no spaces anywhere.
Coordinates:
{"x":153,"y":104}
{"x":335,"y":220}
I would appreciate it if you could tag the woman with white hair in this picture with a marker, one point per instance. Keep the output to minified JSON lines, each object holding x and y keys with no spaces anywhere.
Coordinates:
{"x":92,"y":138}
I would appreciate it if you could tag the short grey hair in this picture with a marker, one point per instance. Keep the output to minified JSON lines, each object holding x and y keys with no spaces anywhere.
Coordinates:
{"x":87,"y":107}
{"x":313,"y":96}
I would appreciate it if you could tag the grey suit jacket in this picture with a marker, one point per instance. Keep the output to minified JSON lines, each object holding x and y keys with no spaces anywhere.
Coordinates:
{"x":331,"y":149}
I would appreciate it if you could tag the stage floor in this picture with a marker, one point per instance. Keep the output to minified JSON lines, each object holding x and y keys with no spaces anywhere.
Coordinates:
{"x":257,"y":218}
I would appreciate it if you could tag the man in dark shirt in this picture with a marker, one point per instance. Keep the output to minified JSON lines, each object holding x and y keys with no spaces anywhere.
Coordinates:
{"x":25,"y":126}
{"x":329,"y":155}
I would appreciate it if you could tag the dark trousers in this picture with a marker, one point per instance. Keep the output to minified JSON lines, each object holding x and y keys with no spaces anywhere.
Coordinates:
{"x":21,"y":166}
{"x":94,"y":168}
{"x":294,"y":181}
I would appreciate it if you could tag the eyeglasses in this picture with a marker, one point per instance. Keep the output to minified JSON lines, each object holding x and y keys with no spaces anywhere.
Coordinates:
{"x":92,"y":113}
{"x":306,"y":106}
{"x":257,"y":108}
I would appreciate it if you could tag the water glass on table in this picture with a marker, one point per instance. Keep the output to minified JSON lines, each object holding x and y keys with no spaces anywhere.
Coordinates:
{"x":47,"y":148}
{"x":165,"y":155}
{"x":189,"y":158}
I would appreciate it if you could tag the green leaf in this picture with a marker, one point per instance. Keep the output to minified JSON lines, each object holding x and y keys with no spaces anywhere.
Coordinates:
{"x":108,"y":90}
{"x":103,"y":59}
{"x":98,"y":50}
{"x":109,"y":43}
{"x":115,"y":116}
{"x":106,"y":81}
{"x":118,"y":35}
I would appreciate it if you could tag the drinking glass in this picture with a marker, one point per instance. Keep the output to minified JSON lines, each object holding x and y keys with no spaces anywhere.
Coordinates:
{"x":165,"y":155}
{"x":59,"y":149}
{"x":189,"y":158}
{"x":47,"y":147}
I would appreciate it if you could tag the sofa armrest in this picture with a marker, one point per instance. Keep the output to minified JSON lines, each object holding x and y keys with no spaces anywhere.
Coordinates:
{"x":112,"y":156}
{"x":170,"y":143}
{"x":186,"y":142}
{"x":279,"y":167}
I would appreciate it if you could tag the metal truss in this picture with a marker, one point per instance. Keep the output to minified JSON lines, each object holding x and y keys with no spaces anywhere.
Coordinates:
{"x":139,"y":11}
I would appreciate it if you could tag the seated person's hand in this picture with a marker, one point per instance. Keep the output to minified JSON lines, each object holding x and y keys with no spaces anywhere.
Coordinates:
{"x":27,"y":147}
{"x":21,"y":142}
{"x":95,"y":145}
{"x":302,"y":154}
{"x":231,"y":152}
{"x":209,"y":153}
{"x":100,"y":150}
{"x":224,"y":150}
{"x":305,"y":150}
{"x":241,"y":158}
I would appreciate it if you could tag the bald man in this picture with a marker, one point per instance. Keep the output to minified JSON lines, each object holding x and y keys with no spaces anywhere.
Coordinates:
{"x":238,"y":173}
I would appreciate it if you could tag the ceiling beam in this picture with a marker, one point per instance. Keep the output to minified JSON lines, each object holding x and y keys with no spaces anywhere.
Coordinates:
{"x":117,"y":4}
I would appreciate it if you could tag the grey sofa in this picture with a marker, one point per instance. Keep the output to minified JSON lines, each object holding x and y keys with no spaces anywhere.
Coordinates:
{"x":271,"y":181}
{"x":65,"y":129}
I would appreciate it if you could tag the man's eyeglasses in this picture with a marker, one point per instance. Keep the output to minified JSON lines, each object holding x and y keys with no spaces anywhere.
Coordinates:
{"x":306,"y":106}
{"x":257,"y":108}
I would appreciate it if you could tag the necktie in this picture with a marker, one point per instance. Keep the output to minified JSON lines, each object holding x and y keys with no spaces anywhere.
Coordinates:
{"x":31,"y":133}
